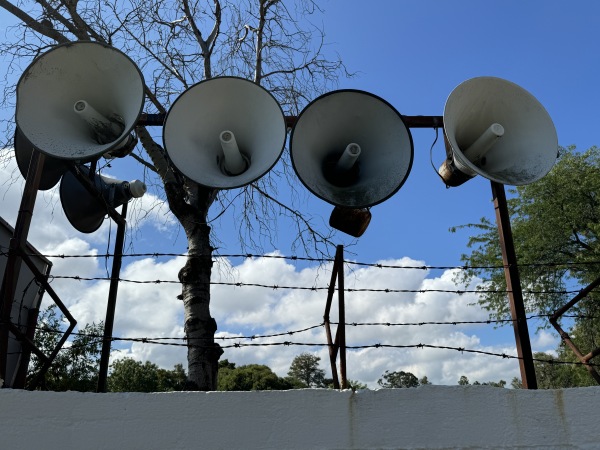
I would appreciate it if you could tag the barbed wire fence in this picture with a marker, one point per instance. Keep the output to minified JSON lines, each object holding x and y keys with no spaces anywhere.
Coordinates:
{"x":258,"y":340}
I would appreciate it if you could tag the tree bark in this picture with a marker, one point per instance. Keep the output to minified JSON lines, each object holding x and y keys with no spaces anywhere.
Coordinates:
{"x":200,"y":326}
{"x":190,"y":204}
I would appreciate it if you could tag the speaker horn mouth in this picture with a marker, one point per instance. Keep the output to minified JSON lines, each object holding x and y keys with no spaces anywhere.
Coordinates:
{"x":351,"y":149}
{"x":343,"y":169}
{"x":225,"y":132}
{"x":74,"y":81}
{"x":497,"y":129}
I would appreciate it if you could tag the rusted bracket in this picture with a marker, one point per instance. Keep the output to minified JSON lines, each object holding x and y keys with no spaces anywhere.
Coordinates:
{"x":585,"y":359}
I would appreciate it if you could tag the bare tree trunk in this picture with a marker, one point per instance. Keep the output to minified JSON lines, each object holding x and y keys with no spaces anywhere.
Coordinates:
{"x":200,"y":327}
{"x":190,"y":204}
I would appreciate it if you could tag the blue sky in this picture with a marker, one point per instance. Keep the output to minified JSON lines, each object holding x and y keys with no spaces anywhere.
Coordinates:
{"x":412,"y":54}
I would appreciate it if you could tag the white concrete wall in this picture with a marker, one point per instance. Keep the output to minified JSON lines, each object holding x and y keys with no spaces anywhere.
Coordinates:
{"x":431,"y":417}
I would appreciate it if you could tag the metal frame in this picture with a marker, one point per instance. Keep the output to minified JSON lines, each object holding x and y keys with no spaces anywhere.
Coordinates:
{"x":585,"y":359}
{"x":339,"y":345}
{"x":17,"y":254}
{"x":511,"y":273}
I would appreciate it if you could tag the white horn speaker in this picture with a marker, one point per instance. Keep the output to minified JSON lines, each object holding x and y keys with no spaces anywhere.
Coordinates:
{"x":498,"y":130}
{"x":351,"y":149}
{"x":86,"y":211}
{"x":80,"y":100}
{"x":225,"y":132}
{"x":53,"y":168}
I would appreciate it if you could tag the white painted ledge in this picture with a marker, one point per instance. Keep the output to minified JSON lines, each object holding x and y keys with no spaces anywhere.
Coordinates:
{"x":431,"y":417}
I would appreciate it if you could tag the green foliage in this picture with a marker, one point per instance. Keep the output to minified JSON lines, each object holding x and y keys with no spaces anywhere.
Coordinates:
{"x":555,"y":224}
{"x":464,"y":381}
{"x":251,"y":377}
{"x":554,"y":374}
{"x":305,"y":369}
{"x":129,"y":375}
{"x":76,"y":365}
{"x":354,"y":385}
{"x":424,"y":381}
{"x":399,"y":379}
{"x":516,"y":383}
{"x":556,"y":227}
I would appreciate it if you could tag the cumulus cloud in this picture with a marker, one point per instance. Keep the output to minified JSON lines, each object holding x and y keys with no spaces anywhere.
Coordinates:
{"x":415,"y":297}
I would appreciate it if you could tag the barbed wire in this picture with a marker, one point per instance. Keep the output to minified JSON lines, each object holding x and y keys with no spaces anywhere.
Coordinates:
{"x":4,"y":252}
{"x":239,"y":345}
{"x":312,"y":288}
{"x":189,"y":342}
{"x":352,"y":324}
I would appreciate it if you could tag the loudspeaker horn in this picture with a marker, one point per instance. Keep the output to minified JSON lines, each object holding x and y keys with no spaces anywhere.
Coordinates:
{"x":498,"y":130}
{"x":86,"y":211}
{"x":53,"y":168}
{"x":351,"y":149}
{"x":79,"y":101}
{"x":225,"y":132}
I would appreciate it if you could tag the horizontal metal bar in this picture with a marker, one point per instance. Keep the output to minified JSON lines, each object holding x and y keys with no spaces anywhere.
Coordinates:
{"x":424,"y":121}
{"x":153,"y":120}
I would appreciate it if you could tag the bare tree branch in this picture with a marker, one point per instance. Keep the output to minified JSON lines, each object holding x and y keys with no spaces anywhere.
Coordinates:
{"x":33,"y":24}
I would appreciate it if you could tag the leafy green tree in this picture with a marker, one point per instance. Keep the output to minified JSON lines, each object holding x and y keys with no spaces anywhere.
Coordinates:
{"x":355,"y":385}
{"x":129,"y":375}
{"x":424,"y":381}
{"x":252,"y":377}
{"x":305,"y":368}
{"x":555,"y":374}
{"x":464,"y":381}
{"x":224,"y":364}
{"x":75,"y":368}
{"x":172,"y":380}
{"x":398,"y":379}
{"x":556,"y":224}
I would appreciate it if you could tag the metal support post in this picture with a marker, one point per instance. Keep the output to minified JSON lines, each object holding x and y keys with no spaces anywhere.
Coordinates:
{"x":112,"y":301}
{"x":513,"y":285}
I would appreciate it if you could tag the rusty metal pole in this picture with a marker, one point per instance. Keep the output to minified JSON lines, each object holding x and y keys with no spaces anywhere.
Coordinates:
{"x":17,"y":244}
{"x":341,"y":328}
{"x":513,"y":284}
{"x":333,"y":346}
{"x":112,"y":301}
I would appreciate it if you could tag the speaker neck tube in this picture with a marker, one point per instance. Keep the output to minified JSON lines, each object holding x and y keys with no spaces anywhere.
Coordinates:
{"x":105,"y":130}
{"x":484,"y":143}
{"x":233,"y":163}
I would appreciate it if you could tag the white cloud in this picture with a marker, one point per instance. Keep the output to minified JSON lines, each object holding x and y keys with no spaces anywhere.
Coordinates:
{"x":545,"y":341}
{"x":246,"y":308}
